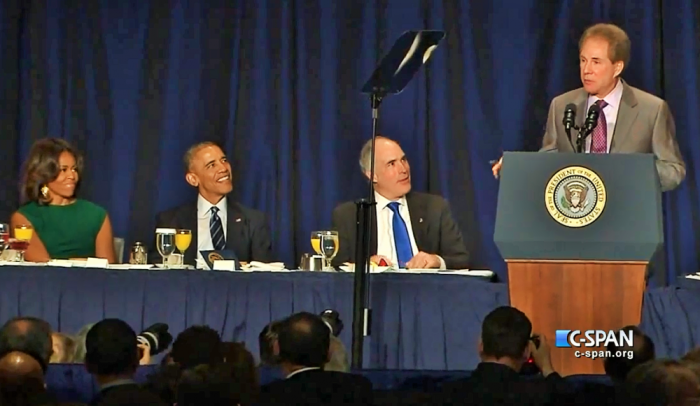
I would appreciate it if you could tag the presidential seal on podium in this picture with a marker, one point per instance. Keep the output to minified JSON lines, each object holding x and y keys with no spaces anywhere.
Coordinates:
{"x":575,"y":196}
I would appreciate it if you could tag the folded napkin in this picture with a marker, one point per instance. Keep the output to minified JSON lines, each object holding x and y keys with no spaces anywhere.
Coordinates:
{"x":25,"y":263}
{"x":348,"y":267}
{"x":261,"y":266}
{"x":130,"y":266}
{"x":374,"y":268}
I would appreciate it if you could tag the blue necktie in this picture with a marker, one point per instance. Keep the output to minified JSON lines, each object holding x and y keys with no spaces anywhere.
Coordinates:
{"x":404,"y":252}
{"x":217,"y":230}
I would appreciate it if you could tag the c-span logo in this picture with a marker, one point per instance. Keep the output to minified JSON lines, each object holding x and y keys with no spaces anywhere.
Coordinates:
{"x":575,"y":196}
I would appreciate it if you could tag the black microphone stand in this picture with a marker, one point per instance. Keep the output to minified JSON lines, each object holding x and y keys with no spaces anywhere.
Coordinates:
{"x":408,"y":54}
{"x":583,"y":133}
{"x":579,"y":138}
{"x":361,"y":320}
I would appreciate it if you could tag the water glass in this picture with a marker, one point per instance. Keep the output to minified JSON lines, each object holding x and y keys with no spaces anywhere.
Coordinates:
{"x":165,"y":243}
{"x":329,"y":247}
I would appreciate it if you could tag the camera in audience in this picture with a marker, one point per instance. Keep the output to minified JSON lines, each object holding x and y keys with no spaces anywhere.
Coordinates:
{"x":332,"y":319}
{"x":156,"y":338}
{"x":530,"y":367}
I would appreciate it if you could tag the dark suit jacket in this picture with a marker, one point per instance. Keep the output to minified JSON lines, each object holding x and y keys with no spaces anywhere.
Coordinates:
{"x":598,"y":394}
{"x":496,"y":384}
{"x":434,"y":230}
{"x":40,"y":398}
{"x":644,"y":125}
{"x":318,"y":387}
{"x":126,"y":395}
{"x":247,"y":232}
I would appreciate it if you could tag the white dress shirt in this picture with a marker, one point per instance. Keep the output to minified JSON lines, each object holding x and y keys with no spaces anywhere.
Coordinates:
{"x":204,"y":242}
{"x":610,"y":111}
{"x":385,"y":228}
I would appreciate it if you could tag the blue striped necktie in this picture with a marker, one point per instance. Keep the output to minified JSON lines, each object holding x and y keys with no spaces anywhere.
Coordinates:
{"x":404,"y":252}
{"x":217,"y":230}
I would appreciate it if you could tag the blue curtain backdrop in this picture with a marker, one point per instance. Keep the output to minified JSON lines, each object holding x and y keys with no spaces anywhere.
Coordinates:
{"x":134,"y":82}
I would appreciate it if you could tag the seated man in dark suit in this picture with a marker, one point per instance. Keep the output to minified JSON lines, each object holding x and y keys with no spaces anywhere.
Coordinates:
{"x":217,"y":222}
{"x":411,"y":229}
{"x":111,"y":355}
{"x":505,"y":346}
{"x":302,"y":349}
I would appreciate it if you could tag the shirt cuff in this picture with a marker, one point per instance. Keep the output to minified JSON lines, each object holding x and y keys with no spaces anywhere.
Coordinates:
{"x":442,"y":263}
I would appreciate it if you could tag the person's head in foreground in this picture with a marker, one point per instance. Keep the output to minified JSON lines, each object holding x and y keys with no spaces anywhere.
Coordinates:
{"x":111,"y":351}
{"x":641,"y":351}
{"x":661,"y":382}
{"x":303,"y":342}
{"x":505,"y":337}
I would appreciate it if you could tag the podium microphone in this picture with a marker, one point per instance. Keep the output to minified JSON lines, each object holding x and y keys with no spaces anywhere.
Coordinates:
{"x":591,"y":119}
{"x":570,"y":122}
{"x":570,"y":118}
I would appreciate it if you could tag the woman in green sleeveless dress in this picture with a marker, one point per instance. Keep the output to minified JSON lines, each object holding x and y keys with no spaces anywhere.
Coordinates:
{"x":65,"y":227}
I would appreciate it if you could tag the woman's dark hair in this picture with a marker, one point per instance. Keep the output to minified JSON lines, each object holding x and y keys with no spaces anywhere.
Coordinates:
{"x":42,"y":167}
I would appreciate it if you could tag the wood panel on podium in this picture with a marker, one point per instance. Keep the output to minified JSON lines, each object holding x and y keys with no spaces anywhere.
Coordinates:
{"x":584,"y":269}
{"x":580,"y":295}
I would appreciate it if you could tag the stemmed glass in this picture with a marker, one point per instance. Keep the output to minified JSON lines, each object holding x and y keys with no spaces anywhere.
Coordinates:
{"x":329,"y":248}
{"x":4,"y":237}
{"x":183,"y":239}
{"x":23,"y":234}
{"x":165,"y":242}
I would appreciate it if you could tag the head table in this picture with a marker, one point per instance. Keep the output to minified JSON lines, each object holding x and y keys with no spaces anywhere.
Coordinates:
{"x":420,"y":321}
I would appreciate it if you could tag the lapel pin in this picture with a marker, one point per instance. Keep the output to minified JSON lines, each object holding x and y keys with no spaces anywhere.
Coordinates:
{"x":420,"y":220}
{"x":238,"y":220}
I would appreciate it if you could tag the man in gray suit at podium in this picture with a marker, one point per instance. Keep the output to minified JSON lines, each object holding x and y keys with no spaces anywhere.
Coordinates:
{"x":631,"y":120}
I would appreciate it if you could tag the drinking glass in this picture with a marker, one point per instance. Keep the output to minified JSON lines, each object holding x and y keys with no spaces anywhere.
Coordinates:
{"x":165,"y":242}
{"x":23,"y":234}
{"x":329,"y":248}
{"x":316,"y":241}
{"x":4,"y":237}
{"x":183,"y":239}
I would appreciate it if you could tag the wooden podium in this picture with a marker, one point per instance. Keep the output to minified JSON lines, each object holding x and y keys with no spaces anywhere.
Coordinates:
{"x":578,"y":273}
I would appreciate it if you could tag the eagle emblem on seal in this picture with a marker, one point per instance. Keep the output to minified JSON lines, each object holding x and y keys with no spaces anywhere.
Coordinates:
{"x":575,"y":196}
